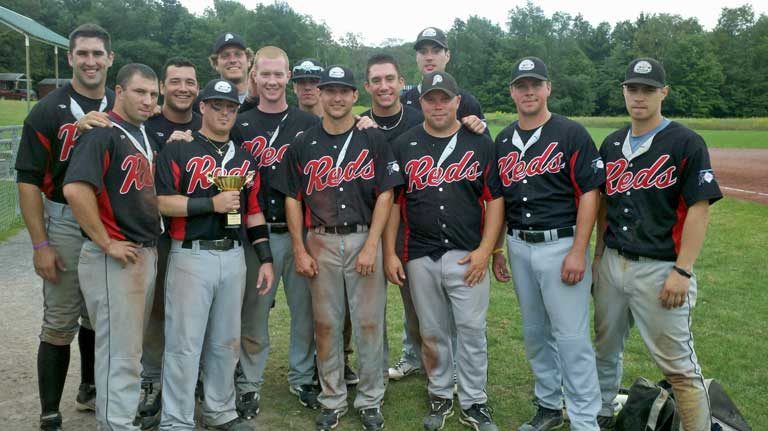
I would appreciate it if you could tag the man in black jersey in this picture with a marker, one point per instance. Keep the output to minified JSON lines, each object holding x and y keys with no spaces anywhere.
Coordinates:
{"x":653,"y":219}
{"x":433,"y":55}
{"x":550,"y":174}
{"x":175,"y":122}
{"x":110,"y":186}
{"x":266,"y":132}
{"x":383,"y":81}
{"x":50,"y":132}
{"x":206,"y":276}
{"x":338,"y":183}
{"x":451,"y":211}
{"x":305,"y":76}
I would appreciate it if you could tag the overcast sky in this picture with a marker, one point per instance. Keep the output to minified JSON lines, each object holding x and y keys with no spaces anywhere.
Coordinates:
{"x":376,"y":21}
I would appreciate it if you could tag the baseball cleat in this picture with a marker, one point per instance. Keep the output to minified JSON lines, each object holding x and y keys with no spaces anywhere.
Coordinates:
{"x":478,"y":417}
{"x":86,"y":398}
{"x":402,"y":368}
{"x":328,"y":419}
{"x":248,"y":405}
{"x":372,"y":419}
{"x":544,"y":420}
{"x":148,"y":413}
{"x":606,"y":423}
{"x":350,"y":377}
{"x":236,"y":424}
{"x":50,"y":422}
{"x":440,"y":409}
{"x":307,"y":395}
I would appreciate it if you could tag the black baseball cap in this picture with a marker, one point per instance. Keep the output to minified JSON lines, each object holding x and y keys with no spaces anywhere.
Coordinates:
{"x":431,"y":34}
{"x":529,"y":67}
{"x":439,"y":81}
{"x":227,"y":39}
{"x":646,"y":71}
{"x":306,"y":68}
{"x":337,"y":75}
{"x":220,"y":89}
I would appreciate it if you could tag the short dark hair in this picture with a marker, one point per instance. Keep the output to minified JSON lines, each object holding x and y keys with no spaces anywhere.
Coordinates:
{"x":90,"y":30}
{"x":177,"y":62}
{"x":382,"y":59}
{"x":129,"y":70}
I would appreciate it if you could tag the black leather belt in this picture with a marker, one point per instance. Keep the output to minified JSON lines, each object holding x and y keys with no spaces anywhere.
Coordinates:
{"x":628,"y":255}
{"x":541,"y":236}
{"x":278,"y":227}
{"x":215,"y":244}
{"x":341,"y":230}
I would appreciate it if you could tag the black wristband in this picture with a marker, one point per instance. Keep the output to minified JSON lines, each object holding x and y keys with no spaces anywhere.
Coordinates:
{"x":198,"y":206}
{"x":263,"y":252}
{"x":682,"y":272}
{"x":258,"y":232}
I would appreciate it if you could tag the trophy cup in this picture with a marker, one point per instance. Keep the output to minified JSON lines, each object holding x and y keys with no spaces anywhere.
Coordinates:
{"x":227,"y":183}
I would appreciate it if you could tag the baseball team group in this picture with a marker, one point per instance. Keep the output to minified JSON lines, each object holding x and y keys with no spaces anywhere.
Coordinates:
{"x":162,"y":233}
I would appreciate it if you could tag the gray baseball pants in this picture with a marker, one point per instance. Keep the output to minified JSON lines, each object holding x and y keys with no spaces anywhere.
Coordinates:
{"x":438,"y":290}
{"x":556,"y":329}
{"x":336,"y":256}
{"x":119,"y":300}
{"x":626,"y":293}
{"x":255,"y":320}
{"x":203,"y":295}
{"x":154,"y":333}
{"x":63,"y":302}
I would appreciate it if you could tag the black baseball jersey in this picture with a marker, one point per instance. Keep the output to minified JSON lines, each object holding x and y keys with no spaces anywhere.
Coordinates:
{"x":182,"y":169}
{"x":649,"y":191}
{"x":468,"y":105}
{"x":395,"y":125}
{"x":254,"y":130}
{"x":161,"y":128}
{"x":338,"y":177}
{"x":123,"y":177}
{"x":49,"y":136}
{"x":442,"y":205}
{"x":543,"y":182}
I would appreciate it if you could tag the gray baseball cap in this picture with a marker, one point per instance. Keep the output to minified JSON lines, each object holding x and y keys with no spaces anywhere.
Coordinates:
{"x":220,"y":89}
{"x":437,"y":80}
{"x":431,"y":34}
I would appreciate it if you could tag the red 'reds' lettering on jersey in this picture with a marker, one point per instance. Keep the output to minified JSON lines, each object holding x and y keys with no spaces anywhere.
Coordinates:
{"x":138,"y":173}
{"x":200,"y":167}
{"x":619,"y":180}
{"x":512,"y":169}
{"x":323,"y":174}
{"x":67,"y":135}
{"x":423,"y":173}
{"x":264,"y":155}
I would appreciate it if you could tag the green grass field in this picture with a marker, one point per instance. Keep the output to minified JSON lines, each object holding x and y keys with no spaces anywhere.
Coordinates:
{"x":13,"y":112}
{"x":729,"y":325}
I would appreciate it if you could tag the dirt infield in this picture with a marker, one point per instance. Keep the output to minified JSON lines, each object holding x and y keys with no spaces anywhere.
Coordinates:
{"x":742,"y":173}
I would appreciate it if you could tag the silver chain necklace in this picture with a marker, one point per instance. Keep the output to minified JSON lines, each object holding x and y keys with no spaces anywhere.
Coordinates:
{"x":385,"y":128}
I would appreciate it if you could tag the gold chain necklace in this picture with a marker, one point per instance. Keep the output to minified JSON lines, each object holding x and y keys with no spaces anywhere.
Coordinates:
{"x":219,"y":149}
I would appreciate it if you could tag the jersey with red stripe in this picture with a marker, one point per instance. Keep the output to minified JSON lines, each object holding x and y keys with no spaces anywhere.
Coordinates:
{"x":49,"y":136}
{"x":253,"y":130}
{"x":447,"y":183}
{"x":544,"y":173}
{"x":123,"y":178}
{"x":650,"y":190}
{"x":337,"y":177}
{"x":183,"y":168}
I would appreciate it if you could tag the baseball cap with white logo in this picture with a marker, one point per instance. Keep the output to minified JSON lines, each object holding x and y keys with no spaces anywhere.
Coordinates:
{"x":431,"y":34}
{"x":337,"y":75}
{"x":227,"y":39}
{"x":220,"y":89}
{"x":645,"y":71}
{"x":529,"y":67}
{"x":307,"y":68}
{"x":442,"y":81}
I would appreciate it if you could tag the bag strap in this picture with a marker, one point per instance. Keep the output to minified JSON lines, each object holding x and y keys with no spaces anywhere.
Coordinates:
{"x":658,"y":404}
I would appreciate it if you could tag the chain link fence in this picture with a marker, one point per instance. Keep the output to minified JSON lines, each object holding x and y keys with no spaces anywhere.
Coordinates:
{"x":10,"y":215}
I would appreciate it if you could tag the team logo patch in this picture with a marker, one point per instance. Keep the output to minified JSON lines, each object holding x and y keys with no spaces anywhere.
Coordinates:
{"x":336,"y":72}
{"x":617,"y":143}
{"x":430,"y":32}
{"x":643,"y":67}
{"x":392,"y":167}
{"x":222,"y":87}
{"x":437,"y":79}
{"x":597,"y":164}
{"x":63,"y":106}
{"x":244,"y":124}
{"x":526,"y":65}
{"x":160,"y":134}
{"x":706,"y":176}
{"x":312,"y":143}
{"x":228,"y":37}
{"x":414,"y":143}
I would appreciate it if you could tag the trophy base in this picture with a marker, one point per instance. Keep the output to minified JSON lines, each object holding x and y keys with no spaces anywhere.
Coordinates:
{"x":234,"y":220}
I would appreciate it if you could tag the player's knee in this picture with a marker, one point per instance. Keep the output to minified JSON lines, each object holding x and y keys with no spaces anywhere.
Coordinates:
{"x":58,"y":337}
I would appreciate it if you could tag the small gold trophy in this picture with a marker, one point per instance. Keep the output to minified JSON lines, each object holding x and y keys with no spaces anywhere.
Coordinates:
{"x":227,"y":183}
